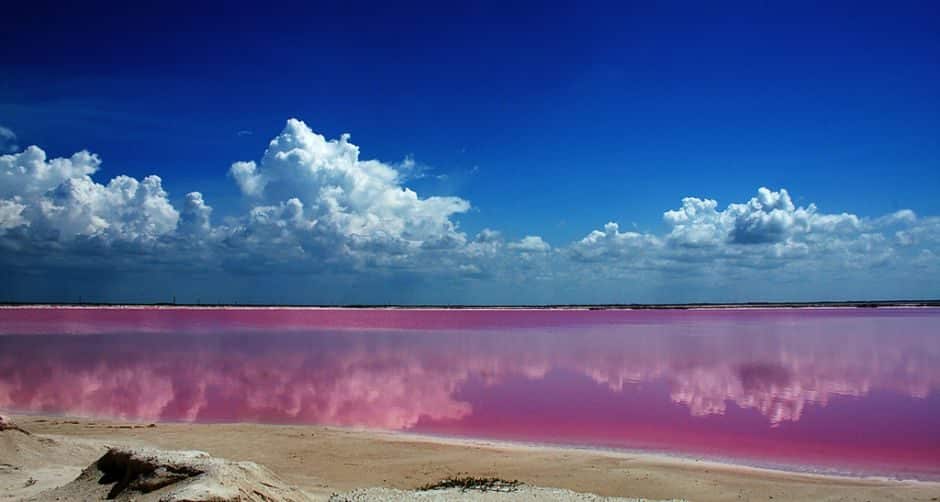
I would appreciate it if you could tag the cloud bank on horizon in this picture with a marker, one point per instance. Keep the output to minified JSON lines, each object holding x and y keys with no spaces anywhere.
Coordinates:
{"x":323,"y":226}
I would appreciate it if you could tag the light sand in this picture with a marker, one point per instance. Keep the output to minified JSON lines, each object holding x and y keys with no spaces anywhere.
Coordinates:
{"x":523,"y":493}
{"x":324,"y":460}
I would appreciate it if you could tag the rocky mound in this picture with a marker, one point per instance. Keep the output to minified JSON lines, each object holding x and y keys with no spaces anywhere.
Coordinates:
{"x":173,"y":476}
{"x":7,"y":424}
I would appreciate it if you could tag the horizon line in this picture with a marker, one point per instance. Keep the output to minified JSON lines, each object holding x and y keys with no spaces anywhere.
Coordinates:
{"x":557,"y":306}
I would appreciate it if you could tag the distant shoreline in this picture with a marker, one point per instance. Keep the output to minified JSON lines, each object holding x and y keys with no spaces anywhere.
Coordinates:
{"x":673,"y":306}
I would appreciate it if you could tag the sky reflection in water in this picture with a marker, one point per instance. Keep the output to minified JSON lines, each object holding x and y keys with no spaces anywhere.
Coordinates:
{"x":847,"y":390}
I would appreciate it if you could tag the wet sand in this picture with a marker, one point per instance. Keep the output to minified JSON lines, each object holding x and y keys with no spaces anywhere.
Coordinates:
{"x":325,"y":460}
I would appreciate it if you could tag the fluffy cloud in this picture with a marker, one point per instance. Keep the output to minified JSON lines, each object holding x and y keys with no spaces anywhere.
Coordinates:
{"x":314,"y":207}
{"x":769,"y":217}
{"x":58,"y":199}
{"x":313,"y":204}
{"x":194,"y":219}
{"x":30,"y":173}
{"x":610,"y":244}
{"x":7,"y":141}
{"x":124,"y":209}
{"x":530,"y":244}
{"x":11,"y":214}
{"x":359,"y":202}
{"x":696,"y":223}
{"x":767,"y":232}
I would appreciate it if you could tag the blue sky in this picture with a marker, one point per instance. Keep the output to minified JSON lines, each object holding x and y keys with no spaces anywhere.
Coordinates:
{"x":548,"y":121}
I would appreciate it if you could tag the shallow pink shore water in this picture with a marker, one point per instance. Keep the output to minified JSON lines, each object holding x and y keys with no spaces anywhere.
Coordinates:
{"x":838,"y":390}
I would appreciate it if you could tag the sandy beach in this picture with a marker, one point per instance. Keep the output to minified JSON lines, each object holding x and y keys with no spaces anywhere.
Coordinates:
{"x":323,"y":460}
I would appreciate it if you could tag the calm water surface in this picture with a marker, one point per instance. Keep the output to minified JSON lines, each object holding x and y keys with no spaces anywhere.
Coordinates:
{"x":841,"y":390}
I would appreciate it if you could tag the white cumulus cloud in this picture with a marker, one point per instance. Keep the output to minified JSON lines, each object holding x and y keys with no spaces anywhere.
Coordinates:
{"x":768,"y":217}
{"x":11,"y":214}
{"x":30,"y":173}
{"x":195,"y":217}
{"x":59,"y":196}
{"x":530,"y":244}
{"x":612,"y":244}
{"x":768,"y":231}
{"x":312,"y":207}
{"x":359,"y":202}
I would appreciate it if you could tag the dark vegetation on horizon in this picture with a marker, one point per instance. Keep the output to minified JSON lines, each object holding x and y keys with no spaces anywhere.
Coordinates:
{"x":590,"y":306}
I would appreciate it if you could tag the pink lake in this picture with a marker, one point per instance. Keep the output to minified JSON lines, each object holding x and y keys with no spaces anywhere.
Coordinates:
{"x":851,"y":391}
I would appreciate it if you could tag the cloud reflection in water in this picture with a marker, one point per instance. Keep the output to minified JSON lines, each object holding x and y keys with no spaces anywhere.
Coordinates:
{"x":449,"y":380}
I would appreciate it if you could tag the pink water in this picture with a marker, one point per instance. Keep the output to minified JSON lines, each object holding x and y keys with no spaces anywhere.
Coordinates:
{"x":838,"y":390}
